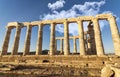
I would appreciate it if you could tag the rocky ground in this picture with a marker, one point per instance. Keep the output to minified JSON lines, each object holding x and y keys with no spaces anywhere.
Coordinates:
{"x":43,"y":71}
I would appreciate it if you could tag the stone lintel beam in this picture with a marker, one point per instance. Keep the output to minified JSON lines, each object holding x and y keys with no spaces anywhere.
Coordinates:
{"x":72,"y":20}
{"x":14,"y":24}
{"x":86,"y":18}
{"x":59,"y":21}
{"x":26,"y":24}
{"x":71,"y":37}
{"x":45,"y":22}
{"x":35,"y":23}
{"x":103,"y":16}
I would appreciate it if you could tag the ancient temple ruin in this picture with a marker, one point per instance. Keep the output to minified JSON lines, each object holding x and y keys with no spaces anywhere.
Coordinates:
{"x":90,"y":58}
{"x":94,"y":44}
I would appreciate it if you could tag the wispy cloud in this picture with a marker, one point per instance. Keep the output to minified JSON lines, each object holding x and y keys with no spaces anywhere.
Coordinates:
{"x":56,"y":5}
{"x":88,"y":8}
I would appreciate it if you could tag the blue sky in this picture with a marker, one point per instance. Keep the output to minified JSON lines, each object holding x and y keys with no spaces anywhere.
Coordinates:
{"x":33,"y":10}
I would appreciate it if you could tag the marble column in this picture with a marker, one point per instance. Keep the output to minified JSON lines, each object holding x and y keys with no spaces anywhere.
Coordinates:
{"x":98,"y":38}
{"x":66,"y":39}
{"x":86,"y":42}
{"x":27,"y":40}
{"x":61,"y":46}
{"x":75,"y":47}
{"x":6,"y":41}
{"x":115,"y":35}
{"x":81,"y":38}
{"x":52,"y":39}
{"x":39,"y":41}
{"x":16,"y":41}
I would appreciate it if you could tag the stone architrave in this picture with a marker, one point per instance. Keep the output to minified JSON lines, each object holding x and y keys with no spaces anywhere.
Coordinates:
{"x":16,"y":41}
{"x":66,"y":39}
{"x":27,"y":40}
{"x":98,"y":38}
{"x":6,"y":41}
{"x":39,"y":41}
{"x":52,"y":40}
{"x":81,"y":38}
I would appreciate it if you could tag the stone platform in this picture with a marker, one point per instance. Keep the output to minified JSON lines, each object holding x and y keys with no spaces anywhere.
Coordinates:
{"x":92,"y":64}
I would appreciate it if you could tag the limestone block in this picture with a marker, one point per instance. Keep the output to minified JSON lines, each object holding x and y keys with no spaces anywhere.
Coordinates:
{"x":106,"y":72}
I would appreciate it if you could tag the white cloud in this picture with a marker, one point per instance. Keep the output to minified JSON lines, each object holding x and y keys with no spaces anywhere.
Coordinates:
{"x":56,"y":5}
{"x":88,"y":8}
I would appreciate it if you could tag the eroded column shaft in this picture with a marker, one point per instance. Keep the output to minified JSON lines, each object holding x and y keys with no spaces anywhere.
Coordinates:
{"x":81,"y":38}
{"x":98,"y":38}
{"x":66,"y":39}
{"x":27,"y":40}
{"x":39,"y":41}
{"x":115,"y":35}
{"x":52,"y":39}
{"x":75,"y":47}
{"x":16,"y":41}
{"x":6,"y":41}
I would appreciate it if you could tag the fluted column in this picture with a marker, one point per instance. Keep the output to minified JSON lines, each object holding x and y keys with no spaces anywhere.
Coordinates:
{"x":81,"y":38}
{"x":61,"y":46}
{"x":39,"y":41}
{"x":115,"y":35}
{"x":6,"y":41}
{"x":56,"y":47}
{"x":75,"y":47}
{"x":98,"y":38}
{"x":66,"y":39}
{"x":27,"y":40}
{"x":52,"y":39}
{"x":16,"y":41}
